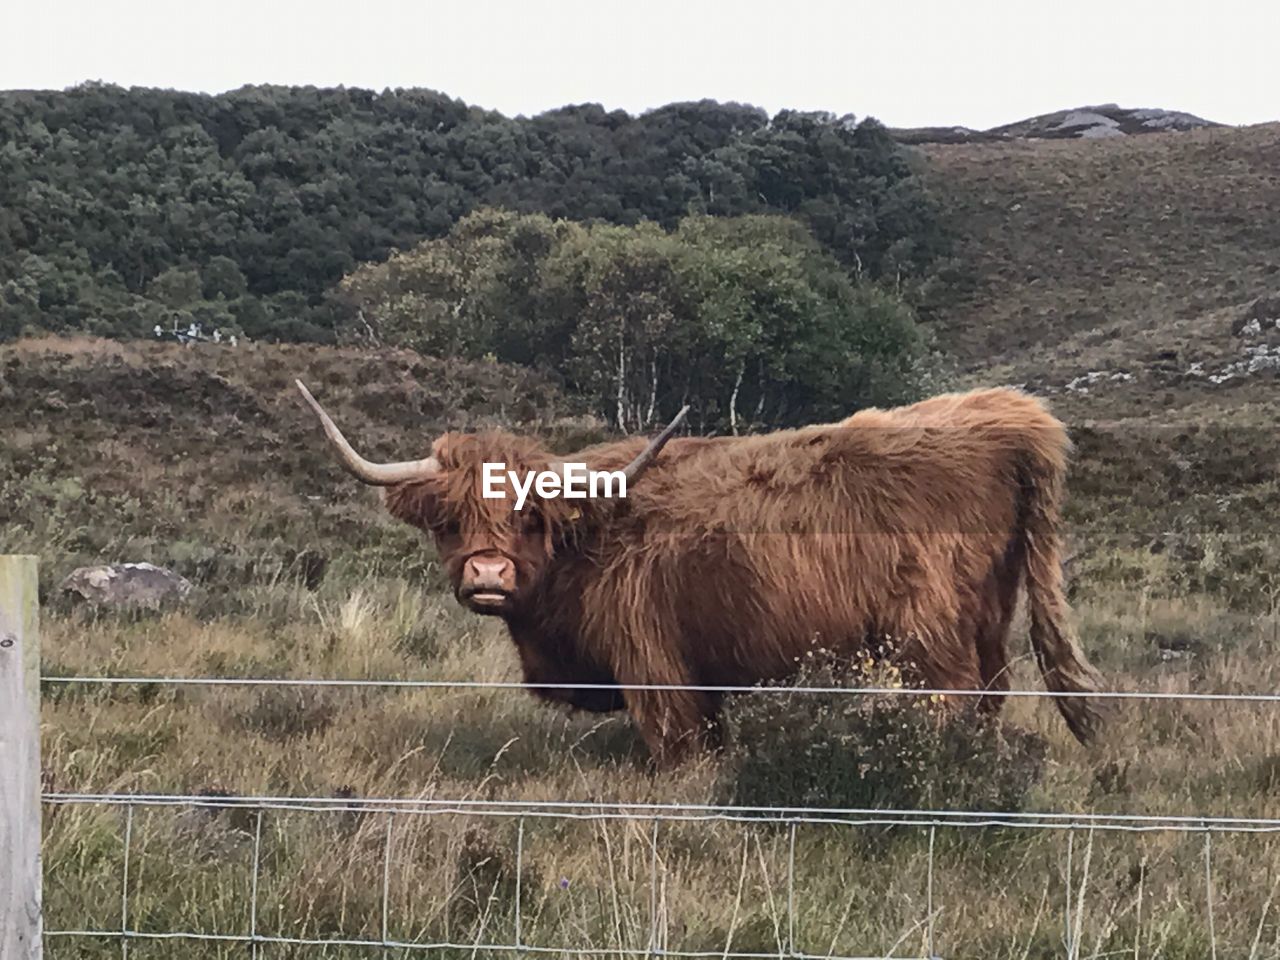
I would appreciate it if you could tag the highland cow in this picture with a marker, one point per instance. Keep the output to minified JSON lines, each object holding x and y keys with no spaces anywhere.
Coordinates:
{"x":731,"y":558}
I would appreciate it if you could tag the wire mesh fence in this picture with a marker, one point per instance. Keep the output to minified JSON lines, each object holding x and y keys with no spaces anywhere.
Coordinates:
{"x":639,"y":862}
{"x":790,"y":823}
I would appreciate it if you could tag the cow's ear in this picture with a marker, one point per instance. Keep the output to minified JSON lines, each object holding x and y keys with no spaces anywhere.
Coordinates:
{"x":417,"y":504}
{"x":578,"y":518}
{"x":570,"y":522}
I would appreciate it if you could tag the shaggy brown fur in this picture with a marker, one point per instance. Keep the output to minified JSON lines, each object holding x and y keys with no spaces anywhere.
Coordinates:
{"x":732,"y":557}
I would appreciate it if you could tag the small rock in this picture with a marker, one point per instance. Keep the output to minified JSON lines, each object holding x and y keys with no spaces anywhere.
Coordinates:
{"x":127,"y":585}
{"x":1175,"y":646}
{"x":1082,"y":383}
{"x":1263,"y":309}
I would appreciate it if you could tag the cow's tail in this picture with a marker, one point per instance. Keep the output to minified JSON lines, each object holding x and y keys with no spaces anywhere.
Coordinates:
{"x":1061,"y":658}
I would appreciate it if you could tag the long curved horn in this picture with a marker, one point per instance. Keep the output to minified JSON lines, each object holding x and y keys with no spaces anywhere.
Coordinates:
{"x":641,"y":463}
{"x":376,"y":474}
{"x":646,"y":456}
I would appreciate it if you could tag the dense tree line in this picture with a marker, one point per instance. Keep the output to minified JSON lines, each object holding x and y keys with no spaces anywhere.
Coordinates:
{"x":124,"y":209}
{"x":749,"y":320}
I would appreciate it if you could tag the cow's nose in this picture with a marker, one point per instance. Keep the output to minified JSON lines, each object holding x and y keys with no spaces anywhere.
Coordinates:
{"x":490,"y":573}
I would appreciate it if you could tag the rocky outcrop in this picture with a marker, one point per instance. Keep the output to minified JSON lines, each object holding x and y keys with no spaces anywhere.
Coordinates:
{"x":1080,"y":123}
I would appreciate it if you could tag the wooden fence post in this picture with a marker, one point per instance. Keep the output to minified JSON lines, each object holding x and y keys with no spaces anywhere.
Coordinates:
{"x":20,"y":874}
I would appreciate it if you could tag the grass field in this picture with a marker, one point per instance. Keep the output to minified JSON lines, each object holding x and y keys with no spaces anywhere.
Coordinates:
{"x":204,"y":461}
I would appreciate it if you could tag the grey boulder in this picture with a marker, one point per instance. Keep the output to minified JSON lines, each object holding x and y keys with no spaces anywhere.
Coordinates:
{"x":127,"y":584}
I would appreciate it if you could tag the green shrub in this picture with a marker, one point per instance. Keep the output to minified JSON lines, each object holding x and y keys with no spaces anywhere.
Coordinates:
{"x":887,"y":750}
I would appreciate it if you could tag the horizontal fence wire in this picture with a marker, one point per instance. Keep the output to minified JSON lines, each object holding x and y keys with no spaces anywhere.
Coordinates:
{"x":684,"y":812}
{"x":266,"y":940}
{"x":1215,"y":697}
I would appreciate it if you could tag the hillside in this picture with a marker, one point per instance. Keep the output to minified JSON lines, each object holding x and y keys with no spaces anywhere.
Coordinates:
{"x":204,"y":459}
{"x":1132,"y":281}
{"x":1143,"y":257}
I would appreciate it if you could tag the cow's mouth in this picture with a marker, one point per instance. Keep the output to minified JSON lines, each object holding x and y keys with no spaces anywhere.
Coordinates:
{"x":485,"y":601}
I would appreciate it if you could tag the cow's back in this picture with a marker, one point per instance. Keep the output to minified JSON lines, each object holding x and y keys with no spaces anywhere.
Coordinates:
{"x":890,"y":522}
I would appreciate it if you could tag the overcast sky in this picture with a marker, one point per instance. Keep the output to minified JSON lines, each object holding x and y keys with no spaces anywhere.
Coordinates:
{"x":978,"y":63}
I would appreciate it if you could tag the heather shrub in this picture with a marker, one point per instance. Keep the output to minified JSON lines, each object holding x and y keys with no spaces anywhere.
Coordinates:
{"x":880,"y":750}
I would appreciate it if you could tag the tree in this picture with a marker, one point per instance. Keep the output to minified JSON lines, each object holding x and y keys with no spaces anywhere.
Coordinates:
{"x":294,"y":186}
{"x":177,"y":287}
{"x":222,"y":279}
{"x":748,"y":318}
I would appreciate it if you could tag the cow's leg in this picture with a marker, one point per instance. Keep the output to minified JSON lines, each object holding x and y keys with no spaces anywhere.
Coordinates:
{"x":993,"y":659}
{"x":946,"y":658}
{"x":590,"y":692}
{"x":993,"y":665}
{"x":675,"y":724}
{"x":991,"y":637}
{"x":542,"y":670}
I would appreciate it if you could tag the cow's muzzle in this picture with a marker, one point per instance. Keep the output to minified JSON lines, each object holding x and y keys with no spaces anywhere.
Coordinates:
{"x":488,"y":583}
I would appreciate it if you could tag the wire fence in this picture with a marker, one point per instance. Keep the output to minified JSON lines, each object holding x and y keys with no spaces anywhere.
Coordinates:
{"x":656,"y":816}
{"x":779,"y":690}
{"x":793,"y":819}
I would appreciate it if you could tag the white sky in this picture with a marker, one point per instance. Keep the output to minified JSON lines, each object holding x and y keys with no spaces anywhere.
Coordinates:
{"x":907,"y":62}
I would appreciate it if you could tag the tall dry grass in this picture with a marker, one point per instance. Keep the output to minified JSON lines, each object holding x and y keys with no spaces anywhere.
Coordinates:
{"x":604,"y":886}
